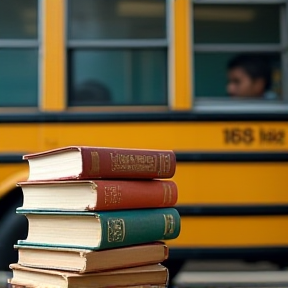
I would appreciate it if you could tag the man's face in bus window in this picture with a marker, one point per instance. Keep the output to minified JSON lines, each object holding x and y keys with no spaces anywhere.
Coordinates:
{"x":240,"y":84}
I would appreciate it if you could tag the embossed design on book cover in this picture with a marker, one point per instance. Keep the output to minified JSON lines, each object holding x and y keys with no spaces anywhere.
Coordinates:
{"x":135,"y":163}
{"x":113,"y":195}
{"x":167,"y":199}
{"x":169,"y":224}
{"x":94,"y":163}
{"x":116,"y":230}
{"x":165,"y":164}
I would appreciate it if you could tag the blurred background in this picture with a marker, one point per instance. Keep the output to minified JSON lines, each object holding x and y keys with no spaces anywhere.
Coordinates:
{"x":206,"y":78}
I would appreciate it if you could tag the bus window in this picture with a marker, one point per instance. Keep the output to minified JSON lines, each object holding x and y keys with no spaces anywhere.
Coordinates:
{"x":222,"y":32}
{"x":18,"y":53}
{"x":236,"y":24}
{"x":18,"y":19}
{"x":129,"y":35}
{"x":212,"y":68}
{"x":120,"y":19}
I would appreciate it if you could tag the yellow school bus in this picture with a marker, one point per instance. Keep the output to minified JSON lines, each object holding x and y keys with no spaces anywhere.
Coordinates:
{"x":151,"y":74}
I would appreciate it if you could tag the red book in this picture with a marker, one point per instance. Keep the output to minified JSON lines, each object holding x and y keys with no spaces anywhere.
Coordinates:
{"x":75,"y":162}
{"x":97,"y":195}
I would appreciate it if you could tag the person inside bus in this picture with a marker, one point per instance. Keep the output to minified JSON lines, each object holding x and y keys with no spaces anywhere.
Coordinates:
{"x":91,"y":92}
{"x":250,"y":77}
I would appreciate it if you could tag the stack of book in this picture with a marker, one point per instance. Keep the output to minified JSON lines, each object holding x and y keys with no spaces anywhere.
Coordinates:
{"x":96,"y":218}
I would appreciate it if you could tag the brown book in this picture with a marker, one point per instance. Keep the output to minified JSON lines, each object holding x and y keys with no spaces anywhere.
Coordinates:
{"x":83,"y":162}
{"x":144,"y":275}
{"x":81,"y":195}
{"x":83,"y":261}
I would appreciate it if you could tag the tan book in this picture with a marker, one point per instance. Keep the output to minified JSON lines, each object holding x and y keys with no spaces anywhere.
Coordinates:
{"x":138,"y":276}
{"x":82,"y":261}
{"x":138,"y":286}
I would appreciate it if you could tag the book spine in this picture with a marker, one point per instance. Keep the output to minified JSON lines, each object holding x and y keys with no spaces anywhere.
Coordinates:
{"x":124,"y":163}
{"x":124,"y":228}
{"x":117,"y":195}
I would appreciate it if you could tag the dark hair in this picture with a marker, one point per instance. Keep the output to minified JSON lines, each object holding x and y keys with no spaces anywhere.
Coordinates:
{"x":256,"y":66}
{"x":91,"y":92}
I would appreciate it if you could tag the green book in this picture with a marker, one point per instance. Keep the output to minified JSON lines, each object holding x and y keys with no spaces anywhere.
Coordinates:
{"x":100,"y":230}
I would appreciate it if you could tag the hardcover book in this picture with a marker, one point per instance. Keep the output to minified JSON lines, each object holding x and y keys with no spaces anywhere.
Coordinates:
{"x":137,"y":286}
{"x":144,"y":275}
{"x":88,"y":195}
{"x":84,"y":162}
{"x":100,"y":230}
{"x":83,"y":261}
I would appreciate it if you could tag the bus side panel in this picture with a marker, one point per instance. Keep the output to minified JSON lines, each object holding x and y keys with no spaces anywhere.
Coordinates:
{"x":205,"y":232}
{"x":180,"y":136}
{"x":232,"y":183}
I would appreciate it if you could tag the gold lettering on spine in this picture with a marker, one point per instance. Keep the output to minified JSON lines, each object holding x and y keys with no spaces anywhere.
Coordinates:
{"x":130,"y":162}
{"x":169,"y":224}
{"x":167,"y":199}
{"x":94,"y":163}
{"x":113,"y":195}
{"x":116,"y":230}
{"x":164,"y":165}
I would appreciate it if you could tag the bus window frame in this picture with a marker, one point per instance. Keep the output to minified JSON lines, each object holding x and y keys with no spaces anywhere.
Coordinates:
{"x":166,"y":43}
{"x":218,"y":104}
{"x":27,"y":44}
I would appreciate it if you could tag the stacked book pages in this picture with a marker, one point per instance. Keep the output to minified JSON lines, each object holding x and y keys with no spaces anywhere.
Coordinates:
{"x":97,"y":218}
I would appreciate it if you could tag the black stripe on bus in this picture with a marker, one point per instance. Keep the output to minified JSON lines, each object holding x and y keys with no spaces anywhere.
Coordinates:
{"x":276,"y":253}
{"x":231,"y":210}
{"x":193,"y":157}
{"x":166,"y":116}
{"x":11,"y":158}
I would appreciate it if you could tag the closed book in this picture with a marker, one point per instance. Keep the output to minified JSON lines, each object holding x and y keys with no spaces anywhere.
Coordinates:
{"x":100,"y":230}
{"x":135,"y":286}
{"x":83,"y":261}
{"x":84,"y":162}
{"x":86,"y":195}
{"x":144,"y":275}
